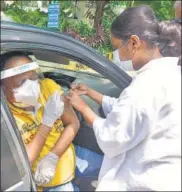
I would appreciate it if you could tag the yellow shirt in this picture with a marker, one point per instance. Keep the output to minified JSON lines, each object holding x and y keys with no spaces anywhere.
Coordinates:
{"x":28,"y":124}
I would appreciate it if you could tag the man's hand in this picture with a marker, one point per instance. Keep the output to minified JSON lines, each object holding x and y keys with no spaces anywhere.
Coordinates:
{"x":46,"y":169}
{"x":76,"y":101}
{"x":80,"y":89}
{"x":53,"y":109}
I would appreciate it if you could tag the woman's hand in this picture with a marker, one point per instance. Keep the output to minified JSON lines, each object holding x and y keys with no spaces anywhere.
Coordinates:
{"x":76,"y":101}
{"x":82,"y":107}
{"x":80,"y":89}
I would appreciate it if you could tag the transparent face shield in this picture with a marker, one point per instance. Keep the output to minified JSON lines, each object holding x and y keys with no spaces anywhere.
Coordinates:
{"x":21,"y":84}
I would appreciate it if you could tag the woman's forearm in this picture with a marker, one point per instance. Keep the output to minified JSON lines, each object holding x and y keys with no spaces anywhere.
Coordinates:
{"x":89,"y":115}
{"x":96,"y":96}
{"x":34,"y":148}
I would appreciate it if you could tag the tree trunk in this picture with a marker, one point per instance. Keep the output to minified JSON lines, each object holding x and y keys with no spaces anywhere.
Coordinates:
{"x":99,"y":13}
{"x":3,"y":5}
{"x":130,"y":3}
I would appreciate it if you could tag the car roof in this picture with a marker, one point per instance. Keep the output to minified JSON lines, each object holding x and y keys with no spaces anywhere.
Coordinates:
{"x":24,"y":27}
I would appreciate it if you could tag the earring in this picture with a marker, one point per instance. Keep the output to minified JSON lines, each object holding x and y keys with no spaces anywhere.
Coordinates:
{"x":134,"y":51}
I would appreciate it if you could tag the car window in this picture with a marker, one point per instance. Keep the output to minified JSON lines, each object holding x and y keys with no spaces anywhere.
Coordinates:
{"x":80,"y":71}
{"x":76,"y":72}
{"x":72,"y":65}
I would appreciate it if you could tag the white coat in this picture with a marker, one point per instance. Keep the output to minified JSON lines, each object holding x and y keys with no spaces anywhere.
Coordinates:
{"x":141,"y":135}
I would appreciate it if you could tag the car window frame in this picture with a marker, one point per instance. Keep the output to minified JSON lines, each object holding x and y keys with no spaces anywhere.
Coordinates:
{"x":30,"y":38}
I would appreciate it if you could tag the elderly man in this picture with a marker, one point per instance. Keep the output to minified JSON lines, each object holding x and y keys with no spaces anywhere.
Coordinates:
{"x":47,"y":123}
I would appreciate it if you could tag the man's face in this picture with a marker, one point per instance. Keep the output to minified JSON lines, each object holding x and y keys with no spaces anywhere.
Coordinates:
{"x":16,"y":81}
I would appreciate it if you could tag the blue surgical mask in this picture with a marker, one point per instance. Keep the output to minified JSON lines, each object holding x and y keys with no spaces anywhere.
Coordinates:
{"x":124,"y":65}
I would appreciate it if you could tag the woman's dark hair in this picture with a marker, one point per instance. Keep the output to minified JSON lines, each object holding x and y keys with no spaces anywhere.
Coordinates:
{"x":178,"y":20}
{"x":6,"y":57}
{"x":141,"y":21}
{"x":170,"y":39}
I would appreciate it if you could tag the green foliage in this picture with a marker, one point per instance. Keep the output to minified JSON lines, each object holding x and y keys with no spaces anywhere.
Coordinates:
{"x":119,"y":3}
{"x":109,"y":16}
{"x":107,"y":20}
{"x":105,"y":48}
{"x":30,"y":17}
{"x":163,"y":10}
{"x":67,"y":13}
{"x":68,"y":9}
{"x":84,"y":29}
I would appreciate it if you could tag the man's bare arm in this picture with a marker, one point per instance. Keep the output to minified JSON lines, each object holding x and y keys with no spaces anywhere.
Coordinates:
{"x":72,"y":125}
{"x":34,"y":148}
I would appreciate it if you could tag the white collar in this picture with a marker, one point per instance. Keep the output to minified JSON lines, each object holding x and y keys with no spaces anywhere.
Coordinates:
{"x":160,"y":61}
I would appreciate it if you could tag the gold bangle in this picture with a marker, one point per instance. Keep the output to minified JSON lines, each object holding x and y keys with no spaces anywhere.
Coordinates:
{"x":42,"y":135}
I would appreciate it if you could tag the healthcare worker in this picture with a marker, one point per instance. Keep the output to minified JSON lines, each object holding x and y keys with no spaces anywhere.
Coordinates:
{"x":47,"y":123}
{"x":171,"y":30}
{"x":141,"y":134}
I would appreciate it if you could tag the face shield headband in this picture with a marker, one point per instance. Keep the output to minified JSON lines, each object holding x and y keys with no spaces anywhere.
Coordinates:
{"x":19,"y":70}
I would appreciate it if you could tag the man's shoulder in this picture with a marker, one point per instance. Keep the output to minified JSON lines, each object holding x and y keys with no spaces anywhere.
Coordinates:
{"x":48,"y":82}
{"x":48,"y":85}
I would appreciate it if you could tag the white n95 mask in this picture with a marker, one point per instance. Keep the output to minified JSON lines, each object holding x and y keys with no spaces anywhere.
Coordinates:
{"x":124,"y":65}
{"x":28,"y":94}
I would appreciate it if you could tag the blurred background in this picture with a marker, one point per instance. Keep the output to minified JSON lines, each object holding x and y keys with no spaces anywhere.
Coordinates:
{"x":88,"y":21}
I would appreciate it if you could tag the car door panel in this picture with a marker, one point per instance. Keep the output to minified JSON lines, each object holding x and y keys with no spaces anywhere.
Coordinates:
{"x":15,"y":169}
{"x":12,"y":170}
{"x":9,"y":171}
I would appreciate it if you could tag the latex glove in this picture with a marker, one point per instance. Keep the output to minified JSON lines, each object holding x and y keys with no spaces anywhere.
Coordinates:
{"x":46,"y":169}
{"x":53,"y":109}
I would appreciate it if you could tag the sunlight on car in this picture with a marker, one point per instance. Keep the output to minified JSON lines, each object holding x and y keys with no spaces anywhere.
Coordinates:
{"x":72,"y":66}
{"x":4,"y":17}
